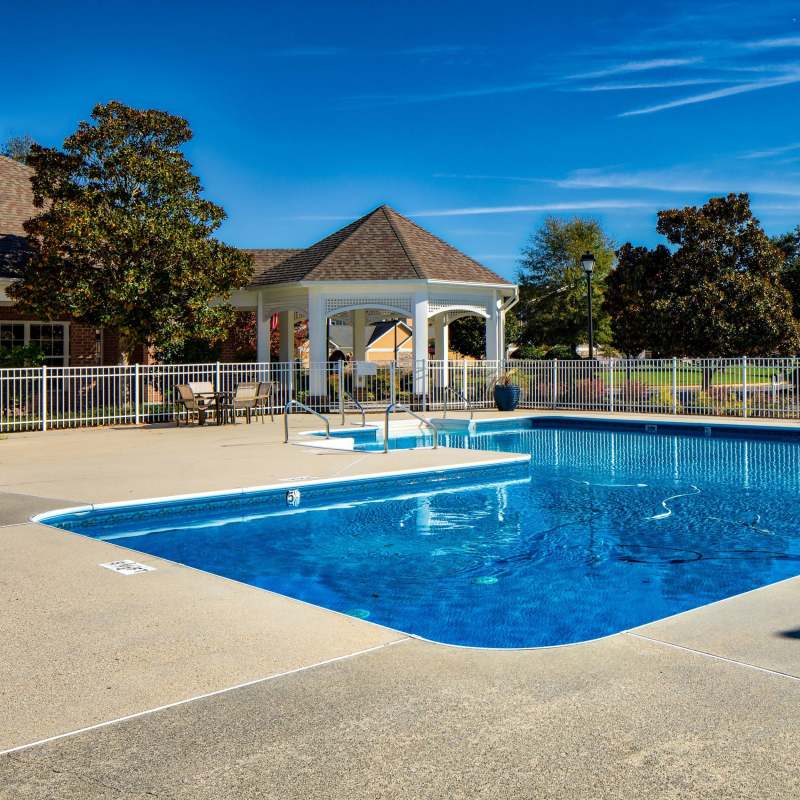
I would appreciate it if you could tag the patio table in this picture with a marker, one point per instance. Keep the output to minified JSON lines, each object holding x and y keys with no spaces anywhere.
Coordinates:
{"x":217,"y":397}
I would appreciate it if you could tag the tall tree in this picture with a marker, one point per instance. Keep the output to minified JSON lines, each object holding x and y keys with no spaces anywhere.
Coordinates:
{"x":124,"y":239}
{"x":722,"y":289}
{"x":552,"y":307}
{"x":789,"y":245}
{"x":18,"y":148}
{"x":467,"y":335}
{"x":640,"y":320}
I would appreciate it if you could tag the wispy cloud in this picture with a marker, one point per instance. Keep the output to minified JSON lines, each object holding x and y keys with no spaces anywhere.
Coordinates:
{"x":717,"y":94}
{"x":679,"y":179}
{"x":637,"y":66}
{"x":774,"y":151}
{"x":587,"y":205}
{"x":471,"y":211}
{"x":484,"y":91}
{"x":625,"y":87}
{"x":775,"y":43}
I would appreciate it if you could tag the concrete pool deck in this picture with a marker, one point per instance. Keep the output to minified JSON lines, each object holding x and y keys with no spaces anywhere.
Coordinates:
{"x":699,"y":705}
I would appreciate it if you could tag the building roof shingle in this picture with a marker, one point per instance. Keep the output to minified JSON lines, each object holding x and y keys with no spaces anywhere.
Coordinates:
{"x":381,"y":245}
{"x":16,"y":206}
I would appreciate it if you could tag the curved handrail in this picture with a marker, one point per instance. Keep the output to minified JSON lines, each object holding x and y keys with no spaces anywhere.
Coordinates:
{"x":358,"y":405}
{"x":401,"y":407}
{"x":305,"y":408}
{"x":460,"y":396}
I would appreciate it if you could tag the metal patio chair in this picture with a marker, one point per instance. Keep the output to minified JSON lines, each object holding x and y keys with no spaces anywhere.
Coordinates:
{"x":245,"y":397}
{"x":193,"y":403}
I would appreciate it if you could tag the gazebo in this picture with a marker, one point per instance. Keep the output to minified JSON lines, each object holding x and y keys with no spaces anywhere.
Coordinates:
{"x":382,"y":266}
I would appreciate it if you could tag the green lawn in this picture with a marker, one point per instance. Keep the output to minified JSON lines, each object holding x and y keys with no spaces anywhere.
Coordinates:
{"x":688,"y":376}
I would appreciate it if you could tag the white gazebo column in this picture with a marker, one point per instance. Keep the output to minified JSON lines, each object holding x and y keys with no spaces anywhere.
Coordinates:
{"x":318,"y":345}
{"x":420,"y":343}
{"x":262,"y":331}
{"x":359,"y":321}
{"x":441,"y":344}
{"x":492,"y":332}
{"x":286,"y":331}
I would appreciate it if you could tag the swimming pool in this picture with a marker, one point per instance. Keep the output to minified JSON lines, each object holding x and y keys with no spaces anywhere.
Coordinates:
{"x":609,"y":526}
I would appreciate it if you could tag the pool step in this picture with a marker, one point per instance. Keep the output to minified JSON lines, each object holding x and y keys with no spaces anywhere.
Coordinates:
{"x":453,"y":424}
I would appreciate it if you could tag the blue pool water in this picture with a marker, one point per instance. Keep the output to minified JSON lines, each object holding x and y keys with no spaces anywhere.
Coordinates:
{"x":607,"y":528}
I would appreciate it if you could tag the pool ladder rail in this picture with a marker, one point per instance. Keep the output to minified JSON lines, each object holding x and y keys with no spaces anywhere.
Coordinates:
{"x":461,"y":396}
{"x":305,"y":408}
{"x":347,"y":396}
{"x":401,"y":407}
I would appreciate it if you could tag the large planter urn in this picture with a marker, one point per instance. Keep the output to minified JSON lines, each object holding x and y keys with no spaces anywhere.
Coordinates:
{"x":506,"y":396}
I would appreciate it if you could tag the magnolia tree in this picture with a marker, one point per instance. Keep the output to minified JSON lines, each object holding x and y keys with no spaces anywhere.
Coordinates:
{"x":124,"y":239}
{"x":719,"y":292}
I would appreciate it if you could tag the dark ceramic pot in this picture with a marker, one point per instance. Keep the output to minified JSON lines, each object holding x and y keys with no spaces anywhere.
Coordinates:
{"x":506,"y":398}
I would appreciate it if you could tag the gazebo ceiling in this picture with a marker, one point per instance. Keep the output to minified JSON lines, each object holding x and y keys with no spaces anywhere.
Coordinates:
{"x":382,"y":245}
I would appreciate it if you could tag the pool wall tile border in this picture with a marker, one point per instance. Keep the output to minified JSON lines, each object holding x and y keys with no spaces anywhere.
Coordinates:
{"x":512,"y":460}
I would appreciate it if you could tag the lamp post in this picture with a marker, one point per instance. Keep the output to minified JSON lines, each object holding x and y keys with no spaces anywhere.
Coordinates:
{"x":588,"y":262}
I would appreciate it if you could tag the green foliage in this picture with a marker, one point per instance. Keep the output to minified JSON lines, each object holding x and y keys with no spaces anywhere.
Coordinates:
{"x":552,"y":307}
{"x":538,"y":352}
{"x":719,"y":293}
{"x":28,"y":356}
{"x":467,"y":335}
{"x":638,"y":320}
{"x":125,"y":238}
{"x":189,"y":351}
{"x":789,"y":245}
{"x":18,"y":148}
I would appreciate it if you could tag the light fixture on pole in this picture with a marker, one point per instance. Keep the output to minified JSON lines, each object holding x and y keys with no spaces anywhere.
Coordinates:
{"x":588,"y":262}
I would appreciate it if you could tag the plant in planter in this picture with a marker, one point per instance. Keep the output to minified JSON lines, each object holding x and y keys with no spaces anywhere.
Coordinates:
{"x":506,"y":391}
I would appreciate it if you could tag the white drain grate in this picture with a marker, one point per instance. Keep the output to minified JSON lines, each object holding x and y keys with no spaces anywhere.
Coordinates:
{"x":127,"y":567}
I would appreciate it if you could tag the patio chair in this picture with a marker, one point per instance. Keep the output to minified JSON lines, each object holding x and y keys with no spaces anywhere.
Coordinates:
{"x":244,"y":397}
{"x":193,"y":403}
{"x":266,"y":391}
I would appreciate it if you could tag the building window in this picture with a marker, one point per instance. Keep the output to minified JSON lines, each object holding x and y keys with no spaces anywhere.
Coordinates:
{"x":49,"y":337}
{"x":12,"y":334}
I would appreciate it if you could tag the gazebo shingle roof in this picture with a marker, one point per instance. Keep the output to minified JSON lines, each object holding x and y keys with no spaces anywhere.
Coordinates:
{"x":382,"y":245}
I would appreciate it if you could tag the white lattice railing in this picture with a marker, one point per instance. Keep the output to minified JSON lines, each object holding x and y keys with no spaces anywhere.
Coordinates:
{"x":63,"y":397}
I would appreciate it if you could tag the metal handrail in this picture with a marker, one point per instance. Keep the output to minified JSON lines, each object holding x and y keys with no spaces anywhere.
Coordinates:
{"x":401,"y":407}
{"x":460,"y":396}
{"x":358,"y":405}
{"x":305,"y":408}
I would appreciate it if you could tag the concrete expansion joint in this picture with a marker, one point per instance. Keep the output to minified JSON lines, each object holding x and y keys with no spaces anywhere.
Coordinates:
{"x":207,"y":695}
{"x":713,"y":656}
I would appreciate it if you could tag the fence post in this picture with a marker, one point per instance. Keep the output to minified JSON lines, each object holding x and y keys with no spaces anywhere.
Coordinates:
{"x":43,"y":397}
{"x":674,"y":385}
{"x":136,"y":403}
{"x":340,"y":373}
{"x":217,"y":387}
{"x":744,"y":386}
{"x":392,"y":386}
{"x":555,"y":382}
{"x":611,"y":385}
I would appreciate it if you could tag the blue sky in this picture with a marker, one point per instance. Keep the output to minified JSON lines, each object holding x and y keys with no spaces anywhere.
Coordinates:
{"x":476,"y":118}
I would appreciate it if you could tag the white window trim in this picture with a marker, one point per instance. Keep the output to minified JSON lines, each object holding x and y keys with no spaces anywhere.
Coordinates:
{"x":27,"y":333}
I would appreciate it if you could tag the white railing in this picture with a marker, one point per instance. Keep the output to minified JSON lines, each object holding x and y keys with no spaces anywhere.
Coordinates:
{"x":71,"y":397}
